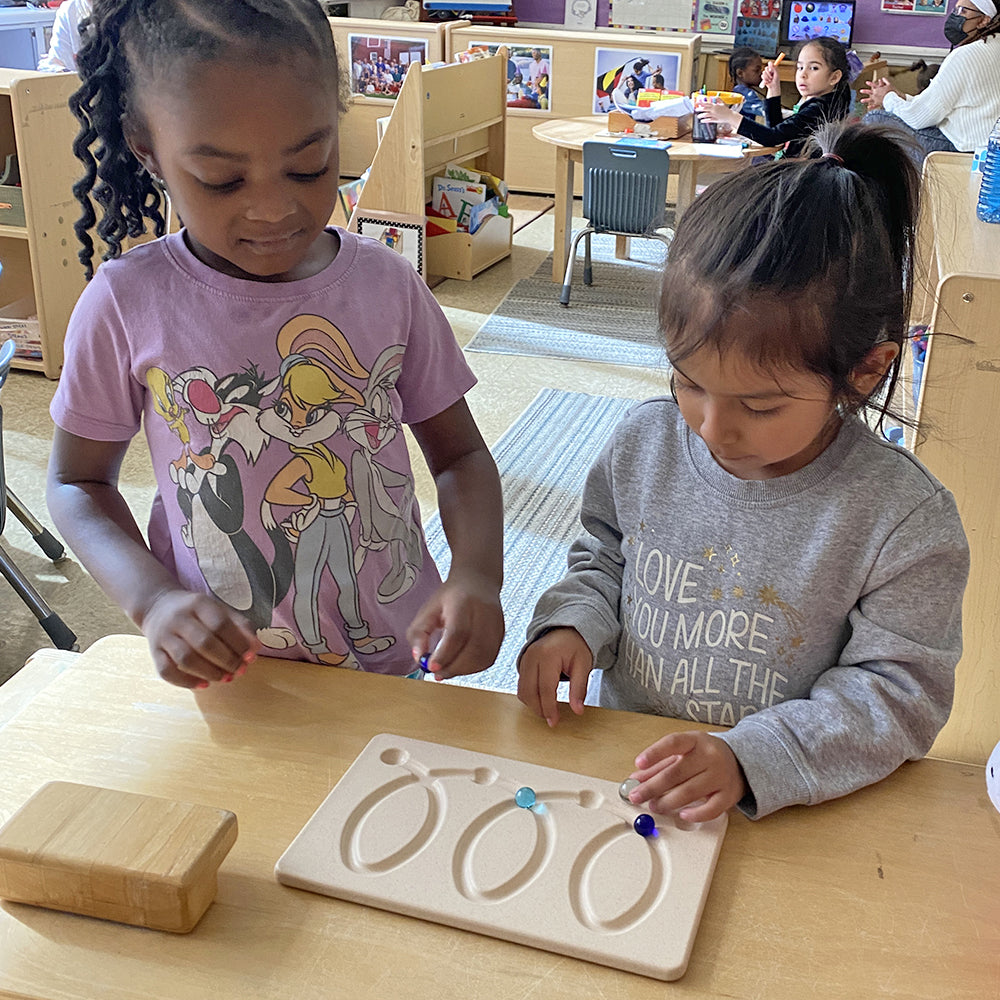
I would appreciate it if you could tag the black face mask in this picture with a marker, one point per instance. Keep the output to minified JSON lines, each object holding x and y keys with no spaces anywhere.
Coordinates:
{"x":954,"y":28}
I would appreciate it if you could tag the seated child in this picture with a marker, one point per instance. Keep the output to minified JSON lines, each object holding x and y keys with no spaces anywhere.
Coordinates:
{"x":753,"y":554}
{"x":745,"y":70}
{"x":822,"y":78}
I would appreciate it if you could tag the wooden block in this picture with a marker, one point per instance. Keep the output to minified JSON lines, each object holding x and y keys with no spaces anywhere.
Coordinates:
{"x":133,"y":858}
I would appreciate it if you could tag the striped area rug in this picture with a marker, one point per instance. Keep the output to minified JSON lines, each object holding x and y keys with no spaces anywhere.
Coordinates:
{"x":543,"y":460}
{"x":612,"y":321}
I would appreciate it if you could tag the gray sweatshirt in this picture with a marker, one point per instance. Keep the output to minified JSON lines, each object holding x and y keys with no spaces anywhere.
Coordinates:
{"x":817,"y":614}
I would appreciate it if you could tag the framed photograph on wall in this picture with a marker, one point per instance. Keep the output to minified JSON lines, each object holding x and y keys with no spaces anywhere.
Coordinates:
{"x":400,"y":232}
{"x":618,"y":72}
{"x":529,"y":74}
{"x":378,"y":64}
{"x":914,"y":7}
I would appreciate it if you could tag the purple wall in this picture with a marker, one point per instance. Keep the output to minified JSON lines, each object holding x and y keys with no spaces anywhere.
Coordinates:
{"x":872,"y":27}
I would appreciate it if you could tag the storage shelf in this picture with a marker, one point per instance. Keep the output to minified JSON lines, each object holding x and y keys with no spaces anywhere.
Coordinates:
{"x":455,"y":113}
{"x":39,"y":258}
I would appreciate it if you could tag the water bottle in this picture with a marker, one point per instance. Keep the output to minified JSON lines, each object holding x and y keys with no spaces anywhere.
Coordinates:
{"x":988,"y":206}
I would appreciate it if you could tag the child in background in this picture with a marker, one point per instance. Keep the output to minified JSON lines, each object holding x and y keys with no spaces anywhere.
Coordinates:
{"x":745,"y":70}
{"x":822,"y":78}
{"x":271,"y":361}
{"x":754,"y":555}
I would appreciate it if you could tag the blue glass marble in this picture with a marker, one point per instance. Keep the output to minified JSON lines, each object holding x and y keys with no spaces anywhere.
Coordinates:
{"x":644,"y":824}
{"x":525,"y":797}
{"x":425,"y":663}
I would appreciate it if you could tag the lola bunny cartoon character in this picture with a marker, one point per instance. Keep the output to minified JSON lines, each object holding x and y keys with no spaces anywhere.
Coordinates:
{"x":319,"y":523}
{"x":384,"y":521}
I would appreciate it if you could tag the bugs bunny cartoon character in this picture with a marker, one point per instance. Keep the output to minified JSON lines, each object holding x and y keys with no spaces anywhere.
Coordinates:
{"x":384,"y":521}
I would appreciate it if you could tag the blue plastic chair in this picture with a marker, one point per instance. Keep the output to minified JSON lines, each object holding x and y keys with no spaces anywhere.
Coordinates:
{"x":54,"y":626}
{"x":624,"y":194}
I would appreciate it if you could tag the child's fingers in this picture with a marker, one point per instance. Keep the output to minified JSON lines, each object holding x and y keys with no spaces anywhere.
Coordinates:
{"x":548,"y":702}
{"x":534,"y":688}
{"x":578,"y":689}
{"x":671,"y":745}
{"x":703,"y":812}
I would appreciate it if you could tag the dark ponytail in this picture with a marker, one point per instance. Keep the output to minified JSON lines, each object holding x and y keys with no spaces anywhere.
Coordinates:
{"x":129,"y":44}
{"x":801,"y":264}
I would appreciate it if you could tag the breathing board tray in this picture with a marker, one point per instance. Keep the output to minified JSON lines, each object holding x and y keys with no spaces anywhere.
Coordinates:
{"x":434,"y":832}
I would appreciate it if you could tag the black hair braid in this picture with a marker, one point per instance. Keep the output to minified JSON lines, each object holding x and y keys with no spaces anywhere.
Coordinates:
{"x":129,"y":43}
{"x":990,"y":28}
{"x":113,"y":177}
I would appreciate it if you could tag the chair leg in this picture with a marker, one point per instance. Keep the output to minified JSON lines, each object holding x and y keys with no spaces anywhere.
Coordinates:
{"x":57,"y":630}
{"x":588,"y":270}
{"x":570,"y":260}
{"x":45,"y":540}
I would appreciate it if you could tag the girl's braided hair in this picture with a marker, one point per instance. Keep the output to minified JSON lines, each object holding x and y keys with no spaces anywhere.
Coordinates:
{"x":126,"y":44}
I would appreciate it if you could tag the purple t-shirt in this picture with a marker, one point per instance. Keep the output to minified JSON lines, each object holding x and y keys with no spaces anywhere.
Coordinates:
{"x":273,"y":414}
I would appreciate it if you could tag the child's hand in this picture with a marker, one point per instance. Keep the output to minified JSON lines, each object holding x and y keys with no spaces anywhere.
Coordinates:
{"x":874,"y":93}
{"x":196,"y":639}
{"x":771,"y":80}
{"x":694,"y":774}
{"x":466,"y":609}
{"x":721,"y":114}
{"x":543,"y":664}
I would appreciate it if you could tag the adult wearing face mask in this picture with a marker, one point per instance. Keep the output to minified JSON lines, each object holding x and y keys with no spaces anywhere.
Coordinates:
{"x":961,"y":104}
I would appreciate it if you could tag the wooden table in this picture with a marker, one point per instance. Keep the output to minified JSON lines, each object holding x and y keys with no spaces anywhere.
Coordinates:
{"x":958,"y":295}
{"x":893,"y":891}
{"x":688,"y":159}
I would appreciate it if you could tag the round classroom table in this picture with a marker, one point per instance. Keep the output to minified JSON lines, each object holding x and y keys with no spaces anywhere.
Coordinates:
{"x":689,"y":160}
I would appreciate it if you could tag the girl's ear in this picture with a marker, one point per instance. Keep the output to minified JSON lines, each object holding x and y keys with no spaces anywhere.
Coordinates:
{"x":869,"y":372}
{"x":142,"y":150}
{"x":840,"y":76}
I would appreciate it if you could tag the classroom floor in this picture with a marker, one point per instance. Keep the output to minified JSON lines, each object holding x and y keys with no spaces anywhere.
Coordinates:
{"x":507,"y":384}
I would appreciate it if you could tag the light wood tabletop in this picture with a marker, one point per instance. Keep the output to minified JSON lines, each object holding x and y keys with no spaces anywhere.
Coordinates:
{"x":893,"y":891}
{"x":689,"y":160}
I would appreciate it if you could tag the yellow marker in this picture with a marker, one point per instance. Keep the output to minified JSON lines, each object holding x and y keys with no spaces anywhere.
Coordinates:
{"x":777,"y":62}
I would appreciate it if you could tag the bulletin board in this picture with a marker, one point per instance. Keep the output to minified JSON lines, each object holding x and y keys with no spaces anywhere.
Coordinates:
{"x":758,"y":25}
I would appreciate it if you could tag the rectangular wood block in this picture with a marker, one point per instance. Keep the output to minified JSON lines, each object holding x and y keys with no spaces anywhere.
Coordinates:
{"x":137,"y":859}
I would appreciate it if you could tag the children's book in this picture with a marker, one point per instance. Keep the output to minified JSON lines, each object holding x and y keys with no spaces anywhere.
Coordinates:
{"x":453,"y":199}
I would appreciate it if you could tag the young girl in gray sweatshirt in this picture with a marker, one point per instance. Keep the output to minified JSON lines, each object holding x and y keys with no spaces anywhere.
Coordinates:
{"x":754,"y":556}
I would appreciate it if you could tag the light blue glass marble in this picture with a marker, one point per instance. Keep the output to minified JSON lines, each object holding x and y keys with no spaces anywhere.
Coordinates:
{"x":525,"y":797}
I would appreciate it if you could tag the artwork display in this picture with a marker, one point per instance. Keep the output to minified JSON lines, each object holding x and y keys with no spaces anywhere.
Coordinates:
{"x":715,"y":16}
{"x":529,"y":74}
{"x":620,"y":73}
{"x":914,"y":7}
{"x":757,"y":26}
{"x":379,"y":64}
